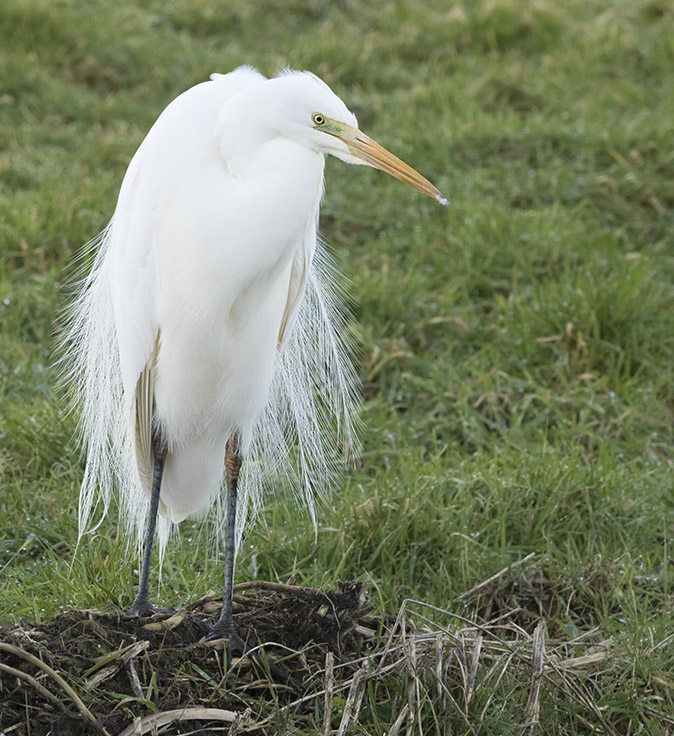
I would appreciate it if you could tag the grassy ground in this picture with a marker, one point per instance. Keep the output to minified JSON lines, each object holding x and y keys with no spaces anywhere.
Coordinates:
{"x":516,"y":347}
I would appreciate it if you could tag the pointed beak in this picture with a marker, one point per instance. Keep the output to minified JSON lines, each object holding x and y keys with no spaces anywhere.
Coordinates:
{"x":371,"y":153}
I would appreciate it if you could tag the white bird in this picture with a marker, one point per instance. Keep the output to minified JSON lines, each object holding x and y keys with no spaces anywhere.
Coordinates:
{"x":206,"y":330}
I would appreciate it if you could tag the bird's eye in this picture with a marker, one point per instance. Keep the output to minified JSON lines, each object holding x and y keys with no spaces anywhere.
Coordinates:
{"x":318,"y":118}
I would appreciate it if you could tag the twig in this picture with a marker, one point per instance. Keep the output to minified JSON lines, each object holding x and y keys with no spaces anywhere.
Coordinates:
{"x":18,"y":652}
{"x":278,"y":587}
{"x":496,"y":576}
{"x":167,"y":624}
{"x":123,"y":656}
{"x":134,"y":679}
{"x":131,"y":650}
{"x":358,"y":700}
{"x":586,"y":659}
{"x":156,"y":720}
{"x":100,"y":676}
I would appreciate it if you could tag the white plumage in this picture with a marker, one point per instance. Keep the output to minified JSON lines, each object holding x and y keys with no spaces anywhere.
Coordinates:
{"x":211,"y":311}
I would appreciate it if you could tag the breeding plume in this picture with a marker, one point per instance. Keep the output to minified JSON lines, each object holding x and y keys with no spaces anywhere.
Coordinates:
{"x":206,"y":340}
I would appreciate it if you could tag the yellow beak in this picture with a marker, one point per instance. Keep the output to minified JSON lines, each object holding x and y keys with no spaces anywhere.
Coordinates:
{"x":375,"y":155}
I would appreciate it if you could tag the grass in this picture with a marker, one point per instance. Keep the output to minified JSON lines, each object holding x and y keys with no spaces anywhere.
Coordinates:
{"x":516,"y":349}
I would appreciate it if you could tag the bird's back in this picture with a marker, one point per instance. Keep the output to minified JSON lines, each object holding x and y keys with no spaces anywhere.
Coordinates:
{"x":172,"y":153}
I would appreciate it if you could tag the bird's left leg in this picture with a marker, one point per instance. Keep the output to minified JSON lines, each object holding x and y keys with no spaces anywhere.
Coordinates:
{"x":225,"y":628}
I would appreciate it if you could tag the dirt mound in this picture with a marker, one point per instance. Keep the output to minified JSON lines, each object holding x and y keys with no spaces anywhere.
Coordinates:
{"x":88,"y":672}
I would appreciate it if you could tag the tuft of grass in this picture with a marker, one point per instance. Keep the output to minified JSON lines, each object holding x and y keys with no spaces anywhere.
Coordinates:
{"x":516,"y":348}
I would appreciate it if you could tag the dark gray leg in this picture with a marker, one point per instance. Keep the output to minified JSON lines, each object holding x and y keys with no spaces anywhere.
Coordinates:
{"x":224,"y":628}
{"x":142,"y":606}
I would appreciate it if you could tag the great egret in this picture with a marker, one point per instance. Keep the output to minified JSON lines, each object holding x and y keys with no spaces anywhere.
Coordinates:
{"x":204,"y":333}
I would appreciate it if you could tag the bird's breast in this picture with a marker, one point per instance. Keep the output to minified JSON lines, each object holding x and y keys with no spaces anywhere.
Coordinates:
{"x":227,"y":248}
{"x":222,"y":236}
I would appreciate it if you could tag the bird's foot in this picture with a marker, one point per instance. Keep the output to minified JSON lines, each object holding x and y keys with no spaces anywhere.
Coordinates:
{"x":142,"y":607}
{"x":234,"y":643}
{"x":227,"y":630}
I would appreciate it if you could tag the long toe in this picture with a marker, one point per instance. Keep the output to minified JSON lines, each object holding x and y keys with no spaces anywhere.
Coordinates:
{"x":145,"y":608}
{"x":227,"y":630}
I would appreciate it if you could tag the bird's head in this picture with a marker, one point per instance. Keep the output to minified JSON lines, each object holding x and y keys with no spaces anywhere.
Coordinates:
{"x":314,"y":116}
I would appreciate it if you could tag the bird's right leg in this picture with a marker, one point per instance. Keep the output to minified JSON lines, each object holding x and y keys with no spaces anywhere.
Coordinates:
{"x":141,"y":605}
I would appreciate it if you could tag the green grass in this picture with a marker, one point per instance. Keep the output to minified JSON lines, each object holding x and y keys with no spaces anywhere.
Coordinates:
{"x":516,"y":348}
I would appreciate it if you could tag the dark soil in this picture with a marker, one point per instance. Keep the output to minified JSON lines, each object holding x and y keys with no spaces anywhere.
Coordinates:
{"x":122,"y":667}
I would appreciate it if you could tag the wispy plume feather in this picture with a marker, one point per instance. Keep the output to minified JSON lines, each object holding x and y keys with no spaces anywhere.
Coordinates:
{"x":299,"y":443}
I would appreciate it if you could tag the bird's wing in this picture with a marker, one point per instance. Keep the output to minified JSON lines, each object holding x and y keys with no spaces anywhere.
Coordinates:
{"x":134,"y":290}
{"x":143,"y":420}
{"x":134,"y":278}
{"x":182,"y":135}
{"x":300,"y":270}
{"x":298,"y":279}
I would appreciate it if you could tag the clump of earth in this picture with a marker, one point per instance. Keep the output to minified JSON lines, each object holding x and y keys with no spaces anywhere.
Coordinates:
{"x":86,"y":672}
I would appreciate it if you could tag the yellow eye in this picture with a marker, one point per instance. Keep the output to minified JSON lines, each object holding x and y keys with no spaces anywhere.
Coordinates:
{"x":318,"y":118}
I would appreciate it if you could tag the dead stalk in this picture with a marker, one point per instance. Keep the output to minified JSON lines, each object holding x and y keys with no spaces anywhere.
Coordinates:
{"x":398,"y":722}
{"x":354,"y":700}
{"x":329,"y":693}
{"x":496,"y":576}
{"x":156,"y":720}
{"x":472,"y":673}
{"x":533,"y":706}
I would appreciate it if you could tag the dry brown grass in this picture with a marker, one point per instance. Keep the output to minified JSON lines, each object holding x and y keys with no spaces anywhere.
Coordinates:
{"x":429,"y":670}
